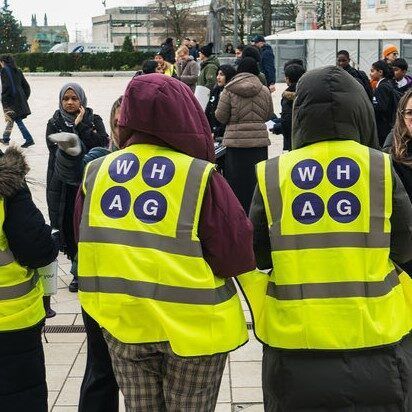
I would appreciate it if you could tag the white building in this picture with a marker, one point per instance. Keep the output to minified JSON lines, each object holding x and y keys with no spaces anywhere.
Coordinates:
{"x":393,"y":15}
{"x":139,"y":23}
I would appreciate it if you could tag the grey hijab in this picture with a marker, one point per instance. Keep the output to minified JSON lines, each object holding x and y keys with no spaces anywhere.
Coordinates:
{"x":78,"y":90}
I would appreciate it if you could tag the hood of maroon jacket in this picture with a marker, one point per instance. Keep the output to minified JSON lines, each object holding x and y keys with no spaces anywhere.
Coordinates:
{"x":161,"y":110}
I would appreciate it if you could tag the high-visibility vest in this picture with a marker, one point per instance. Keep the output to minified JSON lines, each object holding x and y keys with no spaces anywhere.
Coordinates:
{"x":21,"y":292}
{"x":333,"y":285}
{"x":142,"y":275}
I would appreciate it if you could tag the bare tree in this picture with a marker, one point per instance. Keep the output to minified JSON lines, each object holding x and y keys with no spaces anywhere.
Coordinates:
{"x":177,"y":15}
{"x":243,"y":14}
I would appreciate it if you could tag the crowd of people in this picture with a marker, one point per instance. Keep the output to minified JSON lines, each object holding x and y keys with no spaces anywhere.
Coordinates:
{"x":318,"y":238}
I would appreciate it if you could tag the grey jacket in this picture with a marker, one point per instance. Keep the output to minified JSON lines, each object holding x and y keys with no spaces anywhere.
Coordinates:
{"x":244,"y":106}
{"x":188,"y":72}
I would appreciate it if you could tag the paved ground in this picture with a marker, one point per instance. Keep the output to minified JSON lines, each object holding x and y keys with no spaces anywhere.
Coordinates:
{"x":66,"y":352}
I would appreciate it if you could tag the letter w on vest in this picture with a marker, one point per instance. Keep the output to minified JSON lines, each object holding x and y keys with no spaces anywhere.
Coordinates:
{"x":123,"y":166}
{"x":307,"y":173}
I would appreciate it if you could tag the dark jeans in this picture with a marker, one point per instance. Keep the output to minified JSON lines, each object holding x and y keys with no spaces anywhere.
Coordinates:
{"x":22,"y":371}
{"x":99,"y":391}
{"x":24,"y":131}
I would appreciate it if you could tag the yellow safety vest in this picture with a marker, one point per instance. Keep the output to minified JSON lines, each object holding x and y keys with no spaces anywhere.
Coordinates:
{"x":21,"y":303}
{"x":142,"y":274}
{"x":333,"y":285}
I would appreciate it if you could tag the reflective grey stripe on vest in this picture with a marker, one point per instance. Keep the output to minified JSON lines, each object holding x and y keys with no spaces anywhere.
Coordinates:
{"x":19,"y":290}
{"x":376,"y":238}
{"x":6,"y":257}
{"x":157,"y":291}
{"x":182,"y":244}
{"x":325,"y":290}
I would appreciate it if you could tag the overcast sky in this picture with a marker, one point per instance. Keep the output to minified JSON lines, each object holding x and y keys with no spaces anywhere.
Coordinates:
{"x":77,"y":14}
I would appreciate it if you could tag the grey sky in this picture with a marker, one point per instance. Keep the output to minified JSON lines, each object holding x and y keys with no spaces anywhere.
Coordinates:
{"x":77,"y":14}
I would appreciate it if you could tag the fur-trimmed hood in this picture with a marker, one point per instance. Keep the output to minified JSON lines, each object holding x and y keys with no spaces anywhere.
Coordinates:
{"x":13,"y":169}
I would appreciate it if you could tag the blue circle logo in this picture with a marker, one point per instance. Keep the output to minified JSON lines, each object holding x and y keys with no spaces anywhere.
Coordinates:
{"x":158,"y":171}
{"x":344,"y":207}
{"x":115,"y":202}
{"x":307,"y":174}
{"x":124,"y":168}
{"x":343,"y":172}
{"x":150,"y":207}
{"x":308,"y":208}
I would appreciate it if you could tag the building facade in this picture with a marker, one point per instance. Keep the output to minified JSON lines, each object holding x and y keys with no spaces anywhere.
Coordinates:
{"x":393,"y":15}
{"x":43,"y":38}
{"x":139,"y":23}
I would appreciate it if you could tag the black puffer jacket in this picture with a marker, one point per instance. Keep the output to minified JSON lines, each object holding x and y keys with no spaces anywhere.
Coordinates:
{"x":368,"y":380}
{"x":60,"y":195}
{"x":15,"y":92}
{"x":27,"y":234}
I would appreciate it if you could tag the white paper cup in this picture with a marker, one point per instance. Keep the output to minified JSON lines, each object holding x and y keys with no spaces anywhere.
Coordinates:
{"x":48,"y":277}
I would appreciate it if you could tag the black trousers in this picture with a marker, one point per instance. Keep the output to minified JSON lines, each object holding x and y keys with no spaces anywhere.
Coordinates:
{"x":22,"y":372}
{"x":99,"y":391}
{"x":240,"y":171}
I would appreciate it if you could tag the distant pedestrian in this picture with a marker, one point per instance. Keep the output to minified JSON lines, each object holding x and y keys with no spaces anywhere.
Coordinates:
{"x":225,"y":74}
{"x":194,"y":49}
{"x":73,"y":116}
{"x":293,"y":72}
{"x":148,"y":66}
{"x":15,"y":91}
{"x":399,"y":144}
{"x":187,"y":69}
{"x":390,"y":53}
{"x":244,"y":107}
{"x":208,"y":67}
{"x":384,"y":99}
{"x":186,"y":42}
{"x":403,"y":80}
{"x":238,"y":53}
{"x":343,"y":61}
{"x":254,"y":52}
{"x":229,"y":49}
{"x":268,"y":61}
{"x":163,"y":66}
{"x":168,"y":50}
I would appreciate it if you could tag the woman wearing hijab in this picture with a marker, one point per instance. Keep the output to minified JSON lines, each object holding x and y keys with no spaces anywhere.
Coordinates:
{"x":73,"y":116}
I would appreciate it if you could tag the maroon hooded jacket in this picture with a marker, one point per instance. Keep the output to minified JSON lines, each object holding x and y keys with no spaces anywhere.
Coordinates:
{"x":160,"y":110}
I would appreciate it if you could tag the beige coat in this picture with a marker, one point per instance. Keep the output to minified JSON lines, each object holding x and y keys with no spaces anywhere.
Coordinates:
{"x":244,"y":106}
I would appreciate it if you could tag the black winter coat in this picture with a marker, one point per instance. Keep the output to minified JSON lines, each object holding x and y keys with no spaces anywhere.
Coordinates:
{"x":362,"y":78}
{"x":385,"y":108}
{"x":15,"y":92}
{"x":60,"y":195}
{"x":268,"y":64}
{"x":218,"y":129}
{"x":27,"y":234}
{"x":286,"y":116}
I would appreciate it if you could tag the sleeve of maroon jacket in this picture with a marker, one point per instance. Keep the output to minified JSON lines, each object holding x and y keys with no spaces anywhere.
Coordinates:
{"x":225,"y":232}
